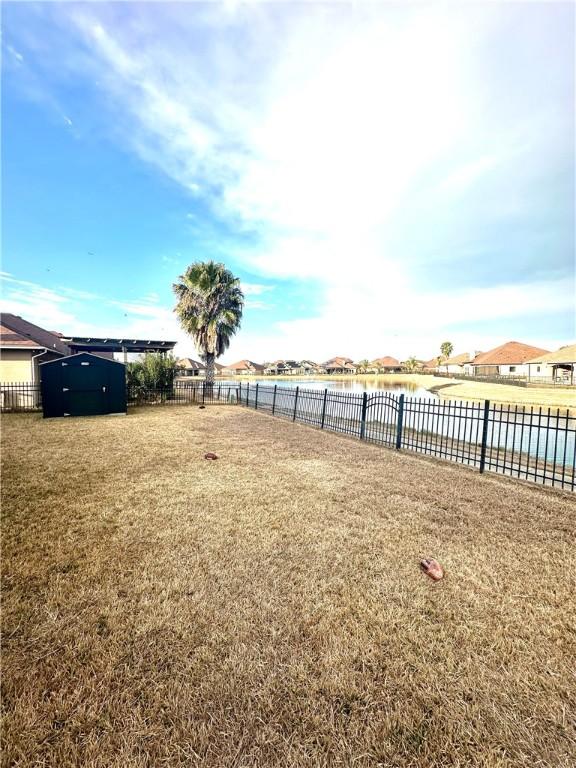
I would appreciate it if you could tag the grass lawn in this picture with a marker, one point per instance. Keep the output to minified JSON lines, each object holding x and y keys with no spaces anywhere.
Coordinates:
{"x":267,"y":609}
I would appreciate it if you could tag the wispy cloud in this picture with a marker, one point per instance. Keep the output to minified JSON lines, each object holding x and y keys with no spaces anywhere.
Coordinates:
{"x":255,"y":289}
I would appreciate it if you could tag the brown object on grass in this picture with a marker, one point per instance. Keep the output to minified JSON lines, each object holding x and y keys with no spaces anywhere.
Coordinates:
{"x":210,"y":456}
{"x":201,"y":406}
{"x":432,"y":568}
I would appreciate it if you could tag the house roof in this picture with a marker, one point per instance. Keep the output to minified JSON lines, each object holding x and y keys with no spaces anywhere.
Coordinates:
{"x":24,"y":330}
{"x":191,"y":365}
{"x":244,"y":365}
{"x":431,"y":363}
{"x":9,"y":338}
{"x":457,"y":359}
{"x":387,"y":362}
{"x":565,"y":354}
{"x":339,"y":362}
{"x":513,"y":352}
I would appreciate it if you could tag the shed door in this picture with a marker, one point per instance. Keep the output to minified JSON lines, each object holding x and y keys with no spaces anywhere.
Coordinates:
{"x":85,"y":389}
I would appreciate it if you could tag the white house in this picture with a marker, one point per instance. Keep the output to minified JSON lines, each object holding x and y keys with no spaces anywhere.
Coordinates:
{"x":510,"y":359}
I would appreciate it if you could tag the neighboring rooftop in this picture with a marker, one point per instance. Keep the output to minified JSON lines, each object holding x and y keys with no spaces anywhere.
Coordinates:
{"x":511,"y":353}
{"x":19,"y":332}
{"x":244,"y":365}
{"x":191,"y":365}
{"x":457,"y":359}
{"x":387,"y":362}
{"x":565,"y":354}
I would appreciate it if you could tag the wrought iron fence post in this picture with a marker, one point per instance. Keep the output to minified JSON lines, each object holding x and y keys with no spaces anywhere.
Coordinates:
{"x":256,"y":398}
{"x":363,"y":419}
{"x":247,"y":394}
{"x":400,"y":422}
{"x":274,"y":399}
{"x":484,"y":435}
{"x":324,"y":409}
{"x":295,"y":403}
{"x":203,"y":392}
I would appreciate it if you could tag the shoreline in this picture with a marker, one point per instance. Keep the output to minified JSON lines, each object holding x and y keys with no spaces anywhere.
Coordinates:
{"x":449,"y":388}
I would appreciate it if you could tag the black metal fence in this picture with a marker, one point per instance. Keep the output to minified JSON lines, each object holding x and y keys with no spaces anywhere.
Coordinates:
{"x":537,"y":444}
{"x":20,"y":397}
{"x":25,"y":397}
{"x":514,"y":380}
{"x":184,"y":393}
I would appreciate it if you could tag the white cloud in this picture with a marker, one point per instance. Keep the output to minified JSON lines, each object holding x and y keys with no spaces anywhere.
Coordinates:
{"x":324,"y":142}
{"x":255,"y":289}
{"x":466,"y":175}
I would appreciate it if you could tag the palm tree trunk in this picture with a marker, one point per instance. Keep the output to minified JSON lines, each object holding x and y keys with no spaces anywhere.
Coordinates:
{"x":210,"y":358}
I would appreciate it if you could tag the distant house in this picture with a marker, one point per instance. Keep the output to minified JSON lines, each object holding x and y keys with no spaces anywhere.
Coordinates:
{"x":243,"y":368}
{"x":387,"y":364}
{"x":309,"y":367}
{"x":510,"y":359}
{"x":457,"y":363}
{"x":339,"y":365}
{"x":430,"y":365}
{"x":559,"y":366}
{"x":23,"y":346}
{"x":188,"y":368}
{"x":284,"y":368}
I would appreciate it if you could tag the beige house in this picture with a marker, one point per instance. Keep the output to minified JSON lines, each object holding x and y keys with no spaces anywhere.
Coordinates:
{"x":456,"y":364}
{"x":339,"y":365}
{"x":243,"y":368}
{"x":23,"y":346}
{"x":559,"y":366}
{"x":187,"y":368}
{"x":386,"y":364}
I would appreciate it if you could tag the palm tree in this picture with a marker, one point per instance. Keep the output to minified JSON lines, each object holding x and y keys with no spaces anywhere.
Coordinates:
{"x":209,"y":308}
{"x":446,"y":348}
{"x":411,"y":364}
{"x":363,"y":365}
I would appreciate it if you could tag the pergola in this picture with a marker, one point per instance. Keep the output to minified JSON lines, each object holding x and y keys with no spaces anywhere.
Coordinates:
{"x":91,"y":344}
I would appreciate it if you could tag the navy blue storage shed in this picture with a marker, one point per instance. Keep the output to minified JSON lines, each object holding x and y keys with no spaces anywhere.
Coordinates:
{"x":82,"y":385}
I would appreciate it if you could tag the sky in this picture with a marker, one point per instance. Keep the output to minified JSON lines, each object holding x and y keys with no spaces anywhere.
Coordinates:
{"x":382,"y":177}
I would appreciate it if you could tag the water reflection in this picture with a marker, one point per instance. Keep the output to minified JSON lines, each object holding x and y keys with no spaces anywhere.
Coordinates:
{"x":360,"y":384}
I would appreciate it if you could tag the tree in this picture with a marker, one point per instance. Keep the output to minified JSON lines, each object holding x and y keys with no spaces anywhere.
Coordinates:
{"x":446,"y":349}
{"x":411,"y":364}
{"x":209,"y":308}
{"x":153,"y":371}
{"x":363,"y":365}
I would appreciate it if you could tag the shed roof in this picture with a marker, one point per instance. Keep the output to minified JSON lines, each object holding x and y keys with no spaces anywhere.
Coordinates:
{"x":513,"y":352}
{"x":565,"y":354}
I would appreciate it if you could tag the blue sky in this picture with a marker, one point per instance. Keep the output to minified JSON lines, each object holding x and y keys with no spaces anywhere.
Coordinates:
{"x":381,"y":177}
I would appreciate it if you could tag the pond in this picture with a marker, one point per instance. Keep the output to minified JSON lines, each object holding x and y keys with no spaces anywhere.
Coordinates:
{"x":359,"y":384}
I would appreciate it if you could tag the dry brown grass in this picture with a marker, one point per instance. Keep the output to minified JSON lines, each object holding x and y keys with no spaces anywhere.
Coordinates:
{"x":266,"y":609}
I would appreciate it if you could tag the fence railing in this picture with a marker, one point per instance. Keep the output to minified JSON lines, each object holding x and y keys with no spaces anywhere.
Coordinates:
{"x":516,"y":380}
{"x":183,"y":393}
{"x":20,"y":397}
{"x":537,"y":444}
{"x":26,"y":397}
